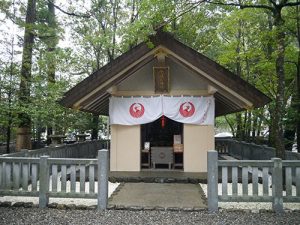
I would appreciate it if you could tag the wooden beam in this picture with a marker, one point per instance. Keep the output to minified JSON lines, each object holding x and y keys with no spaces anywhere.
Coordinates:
{"x":220,"y":89}
{"x":99,"y":100}
{"x":208,"y":66}
{"x":115,"y":81}
{"x":237,"y":94}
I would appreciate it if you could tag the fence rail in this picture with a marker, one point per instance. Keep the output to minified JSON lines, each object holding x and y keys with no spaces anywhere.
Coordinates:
{"x":19,"y":176}
{"x":46,"y":177}
{"x":251,"y":173}
{"x":87,"y":149}
{"x":243,"y":150}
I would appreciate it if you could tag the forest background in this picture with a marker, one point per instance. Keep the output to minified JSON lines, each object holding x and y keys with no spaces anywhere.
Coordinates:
{"x":48,"y":46}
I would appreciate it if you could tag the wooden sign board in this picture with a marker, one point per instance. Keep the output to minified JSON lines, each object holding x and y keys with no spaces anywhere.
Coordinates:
{"x":161,"y":79}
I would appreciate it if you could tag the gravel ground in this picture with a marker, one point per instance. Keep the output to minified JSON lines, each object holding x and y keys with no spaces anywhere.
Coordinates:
{"x":54,"y":216}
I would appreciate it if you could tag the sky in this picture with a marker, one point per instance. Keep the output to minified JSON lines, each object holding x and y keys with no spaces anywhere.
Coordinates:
{"x":9,"y":30}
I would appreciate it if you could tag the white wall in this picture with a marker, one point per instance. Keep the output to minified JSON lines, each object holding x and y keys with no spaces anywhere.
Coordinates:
{"x":197,"y":141}
{"x":125,"y":148}
{"x":180,"y":79}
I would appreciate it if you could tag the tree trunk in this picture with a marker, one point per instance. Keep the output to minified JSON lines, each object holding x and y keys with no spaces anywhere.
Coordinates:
{"x":239,"y":131}
{"x":271,"y":139}
{"x":230,"y":125}
{"x":49,"y":132}
{"x":115,"y":18}
{"x":298,"y":98}
{"x":39,"y":131}
{"x":8,"y":133}
{"x":298,"y":82}
{"x":23,"y":130}
{"x":244,"y":126}
{"x":289,"y":126}
{"x":269,"y":52}
{"x":248,"y":126}
{"x":259,"y":125}
{"x":51,"y":43}
{"x":133,"y":17}
{"x":9,"y":97}
{"x":254,"y":127}
{"x":279,"y":100}
{"x":239,"y":125}
{"x":95,"y":123}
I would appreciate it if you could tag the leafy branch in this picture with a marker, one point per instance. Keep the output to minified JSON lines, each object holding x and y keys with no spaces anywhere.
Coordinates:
{"x":68,"y":13}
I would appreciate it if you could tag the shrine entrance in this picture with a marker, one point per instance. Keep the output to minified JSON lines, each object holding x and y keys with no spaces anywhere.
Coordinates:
{"x":162,"y":144}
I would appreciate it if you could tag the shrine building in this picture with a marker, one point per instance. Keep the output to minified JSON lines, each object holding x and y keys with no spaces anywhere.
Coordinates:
{"x":162,"y":103}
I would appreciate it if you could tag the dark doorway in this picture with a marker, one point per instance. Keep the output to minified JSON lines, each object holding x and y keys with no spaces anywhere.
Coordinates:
{"x":160,"y":133}
{"x":161,"y":136}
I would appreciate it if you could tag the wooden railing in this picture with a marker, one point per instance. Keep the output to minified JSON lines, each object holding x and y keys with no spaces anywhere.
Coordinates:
{"x":19,"y":176}
{"x":3,"y":147}
{"x":46,"y":177}
{"x":86,"y":149}
{"x":60,"y":168}
{"x":251,"y":151}
{"x":268,"y":172}
{"x":292,"y":177}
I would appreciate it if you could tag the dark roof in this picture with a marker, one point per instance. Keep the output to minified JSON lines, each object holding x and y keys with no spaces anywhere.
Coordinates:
{"x":91,"y":94}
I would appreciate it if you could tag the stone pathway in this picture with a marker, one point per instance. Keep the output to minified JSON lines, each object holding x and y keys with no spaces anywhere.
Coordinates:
{"x":158,"y":195}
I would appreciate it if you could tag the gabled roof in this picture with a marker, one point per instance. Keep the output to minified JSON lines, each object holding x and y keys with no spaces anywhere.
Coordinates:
{"x":233,"y":93}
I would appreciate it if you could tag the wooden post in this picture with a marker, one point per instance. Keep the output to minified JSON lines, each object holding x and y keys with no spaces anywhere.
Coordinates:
{"x":102,"y":179}
{"x":212,"y":181}
{"x":44,"y":182}
{"x":277,"y":186}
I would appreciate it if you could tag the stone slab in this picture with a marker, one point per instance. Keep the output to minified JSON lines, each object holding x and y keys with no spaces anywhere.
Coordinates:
{"x":166,"y":195}
{"x":157,"y":176}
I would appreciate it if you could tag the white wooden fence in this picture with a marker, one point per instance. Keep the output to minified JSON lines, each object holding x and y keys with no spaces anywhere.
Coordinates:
{"x":252,"y":171}
{"x":46,"y":177}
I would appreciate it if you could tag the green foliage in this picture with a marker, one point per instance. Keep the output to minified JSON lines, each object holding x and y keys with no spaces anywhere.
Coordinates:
{"x":226,"y":124}
{"x":241,"y":40}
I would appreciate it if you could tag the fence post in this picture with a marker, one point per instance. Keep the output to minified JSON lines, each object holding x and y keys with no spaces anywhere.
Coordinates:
{"x":102,"y":179}
{"x":277,"y":186}
{"x":212,"y":181}
{"x":44,"y":182}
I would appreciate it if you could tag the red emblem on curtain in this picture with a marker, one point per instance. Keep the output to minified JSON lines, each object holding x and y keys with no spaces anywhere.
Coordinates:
{"x":136,"y":110}
{"x":187,"y":109}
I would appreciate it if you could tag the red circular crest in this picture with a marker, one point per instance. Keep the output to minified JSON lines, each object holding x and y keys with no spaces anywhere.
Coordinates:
{"x":136,"y":110}
{"x":187,"y":109}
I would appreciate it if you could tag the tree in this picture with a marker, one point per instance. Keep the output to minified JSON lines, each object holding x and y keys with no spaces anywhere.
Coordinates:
{"x":9,"y":71}
{"x":293,"y":26}
{"x":24,"y":127}
{"x":261,"y":45}
{"x":97,"y":37}
{"x":275,"y":7}
{"x":50,"y":38}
